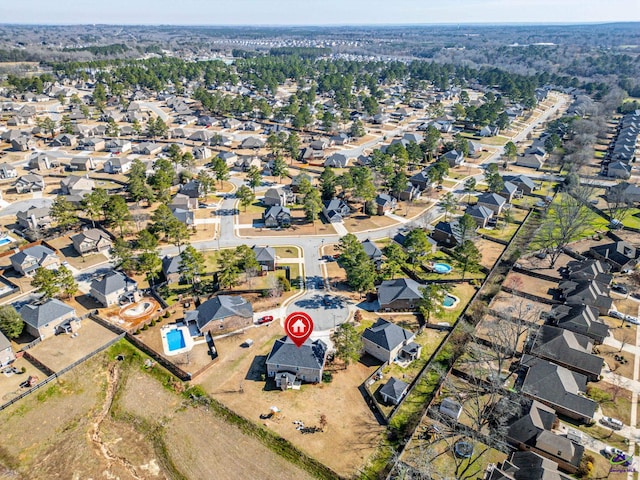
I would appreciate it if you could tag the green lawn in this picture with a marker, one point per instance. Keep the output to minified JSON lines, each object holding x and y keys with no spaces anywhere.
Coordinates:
{"x":498,"y":140}
{"x":294,"y":273}
{"x":501,"y":232}
{"x":255,"y":207}
{"x":633,"y":218}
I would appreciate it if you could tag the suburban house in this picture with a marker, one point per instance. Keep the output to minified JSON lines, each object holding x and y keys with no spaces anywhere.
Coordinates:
{"x":290,"y":365}
{"x":27,"y":261}
{"x":266,"y":257}
{"x":93,"y":240}
{"x":7,"y":170}
{"x":277,"y":216}
{"x":29,"y":183}
{"x":447,"y":234}
{"x":385,"y":203}
{"x":92,"y":144}
{"x":557,"y":387}
{"x":82,"y":164}
{"x":229,"y":158}
{"x":399,"y":294}
{"x":201,"y":153}
{"x":372,"y":251}
{"x":193,"y":189}
{"x":278,"y":196}
{"x":524,"y":183}
{"x":50,"y":318}
{"x":114,"y":288}
{"x":117,"y":165}
{"x":297,"y":180}
{"x":171,"y":268}
{"x":489,"y":131}
{"x":533,"y":433}
{"x":182,"y":201}
{"x":221,"y":314}
{"x":492,"y":201}
{"x":75,"y":185}
{"x":581,"y":319}
{"x":421,"y":180}
{"x":454,"y":158}
{"x":531,"y":161}
{"x":337,"y":160}
{"x":34,"y":218}
{"x":335,"y":210}
{"x":590,"y":293}
{"x":409,"y":193}
{"x":6,"y":352}
{"x":118,"y":145}
{"x":23,"y":143}
{"x":622,"y":256}
{"x":628,"y":192}
{"x":568,"y":349}
{"x":525,"y":465}
{"x":147,"y":148}
{"x":509,"y":191}
{"x":619,"y":170}
{"x":393,"y":391}
{"x":588,"y":270}
{"x":183,"y":215}
{"x":42,"y":161}
{"x":252,"y":143}
{"x":65,"y":140}
{"x":388,"y":342}
{"x":481,"y":214}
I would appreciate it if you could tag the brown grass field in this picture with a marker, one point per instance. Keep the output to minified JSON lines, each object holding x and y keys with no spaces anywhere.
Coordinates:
{"x":112,"y":420}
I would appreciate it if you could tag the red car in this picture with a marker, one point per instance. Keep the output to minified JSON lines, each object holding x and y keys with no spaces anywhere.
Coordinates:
{"x":266,"y":319}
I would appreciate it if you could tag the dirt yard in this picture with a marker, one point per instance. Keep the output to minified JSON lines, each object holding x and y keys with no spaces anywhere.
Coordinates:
{"x":534,"y":286}
{"x":352,"y":430}
{"x":62,"y":350}
{"x":112,"y":420}
{"x":490,"y":252}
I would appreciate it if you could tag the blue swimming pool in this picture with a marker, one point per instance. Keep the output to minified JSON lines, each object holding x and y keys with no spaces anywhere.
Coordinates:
{"x":449,"y":301}
{"x":175,"y":340}
{"x":442,"y":268}
{"x":5,"y":240}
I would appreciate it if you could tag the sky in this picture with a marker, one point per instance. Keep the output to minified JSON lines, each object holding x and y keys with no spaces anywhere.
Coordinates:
{"x":315,"y":12}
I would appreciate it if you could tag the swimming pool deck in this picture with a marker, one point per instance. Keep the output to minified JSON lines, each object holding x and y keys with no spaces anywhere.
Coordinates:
{"x":186,"y":336}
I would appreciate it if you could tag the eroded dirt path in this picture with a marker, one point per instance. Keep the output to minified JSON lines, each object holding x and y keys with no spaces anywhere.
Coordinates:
{"x":94,"y":434}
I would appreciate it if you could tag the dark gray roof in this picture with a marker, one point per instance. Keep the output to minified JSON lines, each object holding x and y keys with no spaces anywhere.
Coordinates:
{"x":287,"y":356}
{"x":479,"y":211}
{"x":586,"y":292}
{"x":582,"y":319}
{"x":566,"y":347}
{"x":384,"y":199}
{"x":219,"y":307}
{"x":171,"y":264}
{"x":387,"y":335}
{"x":557,"y":385}
{"x":398,"y":289}
{"x":371,"y":249}
{"x":264,"y":254}
{"x":527,"y":428}
{"x":619,"y":253}
{"x":40,"y":315}
{"x":492,"y":199}
{"x":589,"y":270}
{"x":111,"y":282}
{"x":394,"y":389}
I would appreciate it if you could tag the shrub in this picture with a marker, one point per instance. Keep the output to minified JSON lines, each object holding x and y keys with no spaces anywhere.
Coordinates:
{"x":146,"y":327}
{"x":327,"y":377}
{"x":357,"y":316}
{"x":166,"y":314}
{"x":137,"y":332}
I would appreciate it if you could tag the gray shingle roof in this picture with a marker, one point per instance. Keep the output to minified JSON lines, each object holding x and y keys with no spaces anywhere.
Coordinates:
{"x":38,"y":251}
{"x":264,"y":254}
{"x":111,"y":282}
{"x":394,"y":389}
{"x":398,"y":289}
{"x":219,"y":307}
{"x":40,"y":315}
{"x":386,"y":334}
{"x":287,"y":355}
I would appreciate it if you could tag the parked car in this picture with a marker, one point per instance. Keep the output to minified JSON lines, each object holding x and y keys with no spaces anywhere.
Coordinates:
{"x":620,"y":289}
{"x":266,"y":319}
{"x":620,"y":457}
{"x":612,"y":423}
{"x":616,"y":314}
{"x":631,"y":319}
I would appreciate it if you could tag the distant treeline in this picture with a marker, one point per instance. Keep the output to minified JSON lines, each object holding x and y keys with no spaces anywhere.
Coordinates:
{"x":17,"y":55}
{"x":303,"y":52}
{"x":113,"y":49}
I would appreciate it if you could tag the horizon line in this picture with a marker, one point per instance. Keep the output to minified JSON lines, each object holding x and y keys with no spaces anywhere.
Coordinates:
{"x":321,"y":25}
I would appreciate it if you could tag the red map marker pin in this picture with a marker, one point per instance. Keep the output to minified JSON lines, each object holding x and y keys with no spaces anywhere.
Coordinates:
{"x":298,"y":327}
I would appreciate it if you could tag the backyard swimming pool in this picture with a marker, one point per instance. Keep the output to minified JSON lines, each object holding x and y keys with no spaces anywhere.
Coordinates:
{"x":442,"y":268}
{"x":6,"y":240}
{"x":450,"y":301}
{"x":175,"y":340}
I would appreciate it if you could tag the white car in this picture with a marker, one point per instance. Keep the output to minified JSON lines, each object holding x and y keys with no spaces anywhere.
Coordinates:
{"x":616,"y":314}
{"x":631,"y":319}
{"x":612,"y":423}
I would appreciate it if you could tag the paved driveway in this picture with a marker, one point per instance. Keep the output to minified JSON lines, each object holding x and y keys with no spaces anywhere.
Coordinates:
{"x":327,"y":311}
